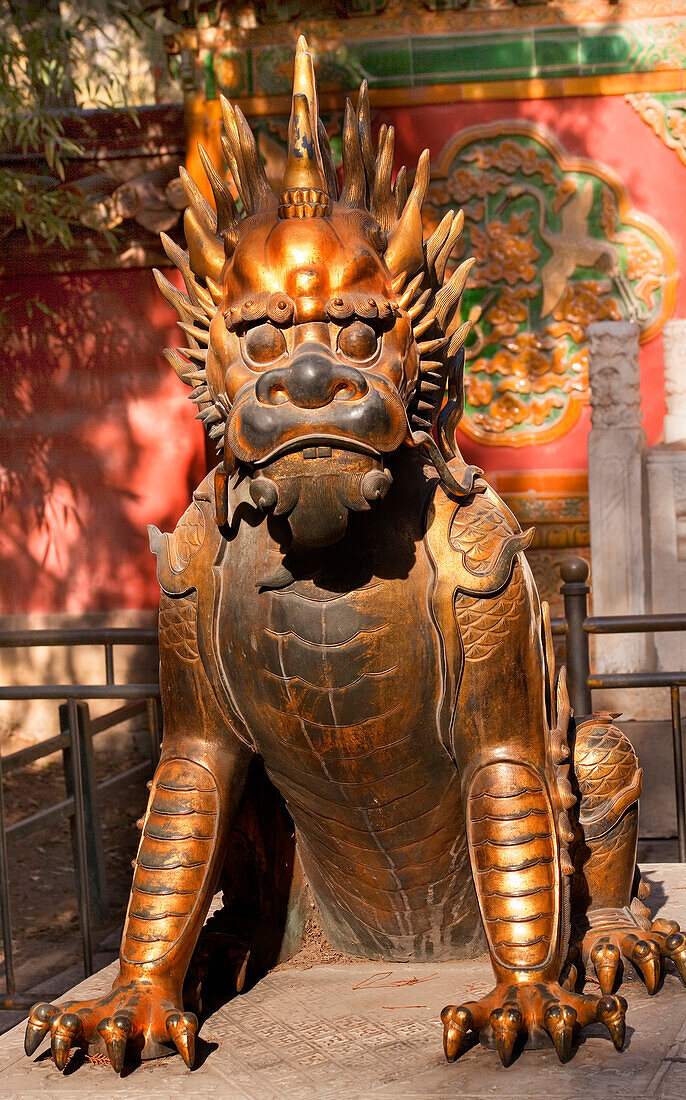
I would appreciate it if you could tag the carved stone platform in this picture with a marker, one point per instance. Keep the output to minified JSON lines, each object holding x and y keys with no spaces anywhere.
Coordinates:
{"x":348,"y":1032}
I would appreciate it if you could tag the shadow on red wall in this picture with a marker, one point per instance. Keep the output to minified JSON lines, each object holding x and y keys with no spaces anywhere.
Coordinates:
{"x":97,"y":441}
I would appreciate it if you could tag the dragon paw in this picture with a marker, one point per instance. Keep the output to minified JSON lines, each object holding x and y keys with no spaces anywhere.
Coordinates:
{"x":512,"y":1014}
{"x":603,"y":948}
{"x":130,"y":1017}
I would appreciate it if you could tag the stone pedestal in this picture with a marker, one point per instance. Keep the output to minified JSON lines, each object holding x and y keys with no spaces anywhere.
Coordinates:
{"x":367,"y":1030}
{"x":675,"y":381}
{"x":615,"y":481}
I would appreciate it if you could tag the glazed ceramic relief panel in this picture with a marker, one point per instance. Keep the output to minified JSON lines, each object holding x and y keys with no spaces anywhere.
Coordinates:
{"x":557,"y":246}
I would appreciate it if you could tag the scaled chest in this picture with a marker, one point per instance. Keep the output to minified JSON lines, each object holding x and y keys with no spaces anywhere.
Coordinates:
{"x":335,"y":665}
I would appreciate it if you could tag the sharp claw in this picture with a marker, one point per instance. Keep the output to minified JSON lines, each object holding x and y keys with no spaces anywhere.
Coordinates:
{"x":456,"y":1023}
{"x":64,"y":1030}
{"x":115,"y":1031}
{"x":611,"y":1011}
{"x":605,"y":958}
{"x":33,"y":1037}
{"x":38,"y":1026}
{"x":675,"y":949}
{"x":116,"y":1049}
{"x":645,"y":955}
{"x":60,"y":1050}
{"x":559,"y":1021}
{"x":182,"y":1028}
{"x":506,"y":1022}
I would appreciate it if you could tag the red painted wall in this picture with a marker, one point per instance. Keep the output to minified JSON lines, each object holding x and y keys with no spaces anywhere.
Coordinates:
{"x":97,"y":440}
{"x":605,"y":129}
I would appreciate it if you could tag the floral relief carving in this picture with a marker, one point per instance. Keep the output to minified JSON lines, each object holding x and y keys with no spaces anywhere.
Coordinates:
{"x":506,"y":251}
{"x":557,"y":247}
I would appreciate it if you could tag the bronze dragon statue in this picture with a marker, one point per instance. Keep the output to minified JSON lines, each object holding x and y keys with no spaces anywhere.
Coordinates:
{"x":349,"y":630}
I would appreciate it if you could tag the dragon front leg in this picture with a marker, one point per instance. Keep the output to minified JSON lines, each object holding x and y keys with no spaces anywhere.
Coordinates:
{"x":513,"y":838}
{"x":194,"y":795}
{"x":611,"y":925}
{"x":510,"y":744}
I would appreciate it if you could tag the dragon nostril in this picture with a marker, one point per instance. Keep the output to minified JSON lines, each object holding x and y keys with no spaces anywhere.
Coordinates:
{"x":342,"y":389}
{"x":270,"y":388}
{"x":350,"y":387}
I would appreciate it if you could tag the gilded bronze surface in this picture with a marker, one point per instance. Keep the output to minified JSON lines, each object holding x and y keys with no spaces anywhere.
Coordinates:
{"x":356,"y":672}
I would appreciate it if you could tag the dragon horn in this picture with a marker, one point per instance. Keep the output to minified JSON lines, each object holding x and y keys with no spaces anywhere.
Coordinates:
{"x":304,"y":192}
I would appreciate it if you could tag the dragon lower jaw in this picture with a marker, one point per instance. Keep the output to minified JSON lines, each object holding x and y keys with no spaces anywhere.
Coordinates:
{"x":315,"y":489}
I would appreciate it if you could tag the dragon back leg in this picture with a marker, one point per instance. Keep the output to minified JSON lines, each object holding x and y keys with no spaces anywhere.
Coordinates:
{"x":610,"y":919}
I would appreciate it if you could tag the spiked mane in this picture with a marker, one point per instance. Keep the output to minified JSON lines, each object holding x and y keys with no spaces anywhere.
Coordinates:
{"x":309,"y":188}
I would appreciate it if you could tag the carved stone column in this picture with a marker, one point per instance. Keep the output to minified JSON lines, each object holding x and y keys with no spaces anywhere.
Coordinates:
{"x":665,"y":471}
{"x":675,"y":381}
{"x":615,"y":480}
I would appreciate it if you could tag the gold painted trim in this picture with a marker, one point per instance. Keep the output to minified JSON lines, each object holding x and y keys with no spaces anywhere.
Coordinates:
{"x":556,"y":482}
{"x":666,"y":80}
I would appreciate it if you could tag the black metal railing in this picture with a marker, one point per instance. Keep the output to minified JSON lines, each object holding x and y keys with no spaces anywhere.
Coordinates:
{"x":82,"y":804}
{"x":577,"y":625}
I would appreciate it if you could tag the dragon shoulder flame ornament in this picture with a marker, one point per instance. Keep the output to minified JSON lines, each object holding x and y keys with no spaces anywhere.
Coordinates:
{"x":356,"y":672}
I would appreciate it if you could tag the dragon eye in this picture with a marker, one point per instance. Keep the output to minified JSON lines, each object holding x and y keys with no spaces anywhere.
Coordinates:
{"x":357,"y":341}
{"x":264,"y":344}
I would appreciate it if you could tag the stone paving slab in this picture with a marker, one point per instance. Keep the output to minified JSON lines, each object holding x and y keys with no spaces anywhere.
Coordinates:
{"x":347,"y":1032}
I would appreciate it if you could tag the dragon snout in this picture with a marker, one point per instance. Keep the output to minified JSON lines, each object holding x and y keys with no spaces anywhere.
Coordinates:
{"x":317,"y":398}
{"x":311,"y":380}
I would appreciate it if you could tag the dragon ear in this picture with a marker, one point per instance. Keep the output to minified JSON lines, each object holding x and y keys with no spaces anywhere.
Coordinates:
{"x":304,"y":190}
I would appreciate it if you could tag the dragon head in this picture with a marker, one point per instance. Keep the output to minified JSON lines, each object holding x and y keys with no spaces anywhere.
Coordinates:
{"x":322,"y":335}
